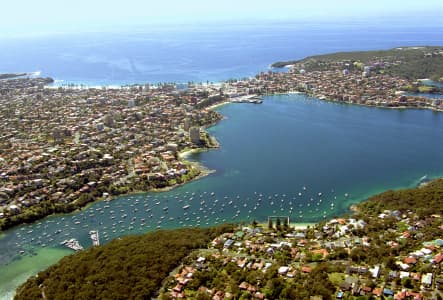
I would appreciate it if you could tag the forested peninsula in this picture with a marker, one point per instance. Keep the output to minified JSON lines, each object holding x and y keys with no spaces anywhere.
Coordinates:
{"x":123,"y":140}
{"x":410,"y":63}
{"x":132,"y":267}
{"x":390,"y":245}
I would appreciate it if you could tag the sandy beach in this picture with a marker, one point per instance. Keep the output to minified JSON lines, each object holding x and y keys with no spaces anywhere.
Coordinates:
{"x":302,"y":226}
{"x":218,"y":105}
{"x":295,"y":225}
{"x":185,"y":153}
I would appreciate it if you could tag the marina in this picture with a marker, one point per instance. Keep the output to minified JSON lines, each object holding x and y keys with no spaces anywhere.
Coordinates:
{"x":289,"y":146}
{"x":94,"y":237}
{"x":72,"y":244}
{"x":140,"y":213}
{"x":254,"y":99}
{"x":303,"y":180}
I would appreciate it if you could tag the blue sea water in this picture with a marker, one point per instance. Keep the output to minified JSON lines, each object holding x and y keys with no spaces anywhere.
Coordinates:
{"x":427,"y":95}
{"x":275,"y":159}
{"x":272,"y":149}
{"x":198,"y":52}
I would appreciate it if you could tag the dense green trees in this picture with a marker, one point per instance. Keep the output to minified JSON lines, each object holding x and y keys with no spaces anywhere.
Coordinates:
{"x":416,"y":63}
{"x":229,"y":277}
{"x":424,"y":201}
{"x":418,"y":203}
{"x":134,"y":267}
{"x":128,"y":268}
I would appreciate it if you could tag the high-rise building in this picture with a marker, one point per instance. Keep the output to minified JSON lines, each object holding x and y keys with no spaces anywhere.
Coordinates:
{"x":194,"y":134}
{"x":187,"y":124}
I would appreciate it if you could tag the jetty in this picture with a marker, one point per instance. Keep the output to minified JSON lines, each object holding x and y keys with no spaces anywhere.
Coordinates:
{"x":93,"y":234}
{"x":72,"y":244}
{"x":254,"y":99}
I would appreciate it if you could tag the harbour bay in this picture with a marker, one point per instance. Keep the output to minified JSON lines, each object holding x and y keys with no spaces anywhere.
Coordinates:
{"x":293,"y":155}
{"x":269,"y":154}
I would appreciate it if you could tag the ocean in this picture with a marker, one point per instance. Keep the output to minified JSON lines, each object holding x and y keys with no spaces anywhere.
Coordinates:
{"x":293,"y":155}
{"x":198,"y":53}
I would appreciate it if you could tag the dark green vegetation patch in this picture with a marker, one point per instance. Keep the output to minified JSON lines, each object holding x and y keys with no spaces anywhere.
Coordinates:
{"x":128,"y":268}
{"x":135,"y":267}
{"x":408,"y":62}
{"x":424,"y":201}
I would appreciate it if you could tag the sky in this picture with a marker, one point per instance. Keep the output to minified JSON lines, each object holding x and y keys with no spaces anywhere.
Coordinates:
{"x":26,"y":16}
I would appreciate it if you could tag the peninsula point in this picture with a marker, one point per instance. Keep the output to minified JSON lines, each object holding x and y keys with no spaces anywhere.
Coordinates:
{"x":63,"y":147}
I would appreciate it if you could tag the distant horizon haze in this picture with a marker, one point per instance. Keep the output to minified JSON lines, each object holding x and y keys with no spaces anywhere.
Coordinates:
{"x":23,"y":18}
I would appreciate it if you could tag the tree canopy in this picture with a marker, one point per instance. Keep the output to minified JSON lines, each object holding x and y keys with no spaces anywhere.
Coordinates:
{"x":132,"y":267}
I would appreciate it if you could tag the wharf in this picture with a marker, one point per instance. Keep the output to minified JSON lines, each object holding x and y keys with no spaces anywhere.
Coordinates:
{"x":94,"y":237}
{"x":247,"y":99}
{"x":72,"y":244}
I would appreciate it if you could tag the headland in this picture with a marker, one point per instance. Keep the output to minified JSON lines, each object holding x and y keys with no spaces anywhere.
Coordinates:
{"x":391,"y":247}
{"x":65,"y":147}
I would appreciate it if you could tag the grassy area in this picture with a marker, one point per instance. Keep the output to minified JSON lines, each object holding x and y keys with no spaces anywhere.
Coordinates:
{"x":337,"y":278}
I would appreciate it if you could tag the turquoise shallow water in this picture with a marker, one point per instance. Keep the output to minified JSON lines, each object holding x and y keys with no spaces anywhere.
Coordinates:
{"x":293,"y":155}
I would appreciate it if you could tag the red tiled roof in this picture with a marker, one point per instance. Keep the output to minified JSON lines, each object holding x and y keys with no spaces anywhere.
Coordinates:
{"x":438,"y":258}
{"x":366,"y":289}
{"x":377,"y":291}
{"x":410,"y":260}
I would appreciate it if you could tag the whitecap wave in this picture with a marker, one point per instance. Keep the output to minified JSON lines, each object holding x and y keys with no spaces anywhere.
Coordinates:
{"x":35,"y":74}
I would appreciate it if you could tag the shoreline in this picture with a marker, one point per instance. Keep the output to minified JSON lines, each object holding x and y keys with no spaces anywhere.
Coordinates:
{"x":353,"y":208}
{"x":323,"y":98}
{"x":302,"y":226}
{"x":214,"y":106}
{"x":203,"y":173}
{"x":295,"y":225}
{"x":199,"y":171}
{"x":202,"y":170}
{"x":217,"y":105}
{"x":187,"y":152}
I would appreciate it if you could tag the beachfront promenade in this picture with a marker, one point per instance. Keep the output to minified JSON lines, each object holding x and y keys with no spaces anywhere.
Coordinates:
{"x":62,"y":147}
